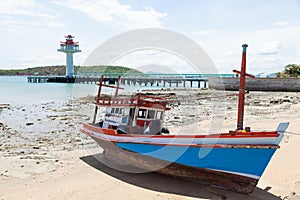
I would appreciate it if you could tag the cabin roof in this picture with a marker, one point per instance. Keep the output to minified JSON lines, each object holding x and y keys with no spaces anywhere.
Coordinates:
{"x":140,"y":101}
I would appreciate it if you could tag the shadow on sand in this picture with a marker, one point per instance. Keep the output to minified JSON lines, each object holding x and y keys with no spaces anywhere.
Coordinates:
{"x":167,"y":184}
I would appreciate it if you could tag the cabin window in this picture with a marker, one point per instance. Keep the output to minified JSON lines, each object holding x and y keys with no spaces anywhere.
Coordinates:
{"x":131,"y":112}
{"x":159,"y":115}
{"x":117,"y":110}
{"x":125,"y":111}
{"x":112,"y":110}
{"x":142,"y":113}
{"x":151,"y":114}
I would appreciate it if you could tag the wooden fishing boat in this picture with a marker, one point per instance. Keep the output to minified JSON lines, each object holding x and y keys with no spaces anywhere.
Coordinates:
{"x":132,"y":133}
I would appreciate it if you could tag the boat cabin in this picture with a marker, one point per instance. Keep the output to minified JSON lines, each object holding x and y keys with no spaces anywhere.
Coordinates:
{"x":134,"y":116}
{"x":141,"y":114}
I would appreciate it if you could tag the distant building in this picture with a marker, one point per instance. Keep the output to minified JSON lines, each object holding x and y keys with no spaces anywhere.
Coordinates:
{"x":264,"y":75}
{"x":261,"y":75}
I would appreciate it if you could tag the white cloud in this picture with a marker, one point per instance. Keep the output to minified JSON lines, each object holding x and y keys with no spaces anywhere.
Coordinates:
{"x":24,"y":7}
{"x":17,"y":25}
{"x":26,"y":16}
{"x":296,"y":59}
{"x":201,"y":33}
{"x":111,"y":11}
{"x":298,"y":50}
{"x":269,"y":48}
{"x":282,"y":23}
{"x":41,"y":60}
{"x":16,"y":7}
{"x":155,"y":61}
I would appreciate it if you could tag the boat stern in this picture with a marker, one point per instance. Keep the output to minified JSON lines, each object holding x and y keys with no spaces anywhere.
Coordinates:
{"x":280,"y":130}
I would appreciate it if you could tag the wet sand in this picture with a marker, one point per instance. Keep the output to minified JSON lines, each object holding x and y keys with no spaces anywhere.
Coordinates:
{"x":43,"y":155}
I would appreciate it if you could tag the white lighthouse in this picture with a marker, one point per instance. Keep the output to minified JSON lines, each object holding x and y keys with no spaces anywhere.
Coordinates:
{"x":69,"y":47}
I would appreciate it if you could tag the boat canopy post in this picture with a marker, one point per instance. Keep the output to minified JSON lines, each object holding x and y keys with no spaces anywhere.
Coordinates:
{"x":118,"y":85}
{"x":99,"y":93}
{"x":243,"y":74}
{"x":98,"y":98}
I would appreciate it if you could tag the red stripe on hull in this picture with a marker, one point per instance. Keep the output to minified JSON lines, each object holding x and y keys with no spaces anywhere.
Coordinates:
{"x":221,"y":135}
{"x":190,"y":145}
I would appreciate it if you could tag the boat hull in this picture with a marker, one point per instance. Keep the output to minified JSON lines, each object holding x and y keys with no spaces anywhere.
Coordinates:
{"x":125,"y":159}
{"x":229,"y":161}
{"x":244,"y":160}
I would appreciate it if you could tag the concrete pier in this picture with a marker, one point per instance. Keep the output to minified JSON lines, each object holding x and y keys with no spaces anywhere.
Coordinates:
{"x":218,"y":83}
{"x":257,"y":84}
{"x":38,"y":79}
{"x":164,"y":81}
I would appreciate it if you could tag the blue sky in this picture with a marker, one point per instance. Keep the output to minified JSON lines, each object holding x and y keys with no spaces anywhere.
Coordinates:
{"x":31,"y":29}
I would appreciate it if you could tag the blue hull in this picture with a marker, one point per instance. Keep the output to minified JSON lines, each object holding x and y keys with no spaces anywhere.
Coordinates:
{"x":250,"y":162}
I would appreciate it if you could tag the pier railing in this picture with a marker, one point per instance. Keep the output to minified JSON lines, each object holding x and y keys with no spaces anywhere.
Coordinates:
{"x":163,"y":80}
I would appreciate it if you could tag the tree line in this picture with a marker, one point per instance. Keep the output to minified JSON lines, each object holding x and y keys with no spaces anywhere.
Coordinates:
{"x":290,"y":70}
{"x":60,"y":70}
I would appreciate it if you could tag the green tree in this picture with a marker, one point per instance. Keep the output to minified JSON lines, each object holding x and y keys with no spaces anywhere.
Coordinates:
{"x":278,"y":74}
{"x":292,"y":70}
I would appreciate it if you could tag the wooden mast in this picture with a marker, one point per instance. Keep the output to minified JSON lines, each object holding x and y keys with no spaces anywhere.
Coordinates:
{"x":98,"y":98}
{"x":118,"y":86}
{"x":243,"y":74}
{"x":99,"y":93}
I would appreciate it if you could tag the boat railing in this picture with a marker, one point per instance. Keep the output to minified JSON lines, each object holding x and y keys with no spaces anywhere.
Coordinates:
{"x":108,"y":101}
{"x":152,"y":98}
{"x":158,"y":103}
{"x":129,"y":101}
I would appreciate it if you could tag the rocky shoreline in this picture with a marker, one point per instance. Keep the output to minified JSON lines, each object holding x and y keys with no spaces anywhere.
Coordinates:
{"x":36,"y":139}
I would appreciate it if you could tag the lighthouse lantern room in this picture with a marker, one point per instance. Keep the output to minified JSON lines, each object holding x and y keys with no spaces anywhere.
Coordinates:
{"x":69,"y":47}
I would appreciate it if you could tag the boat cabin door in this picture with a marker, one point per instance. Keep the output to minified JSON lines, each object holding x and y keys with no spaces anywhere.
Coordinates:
{"x":150,"y":119}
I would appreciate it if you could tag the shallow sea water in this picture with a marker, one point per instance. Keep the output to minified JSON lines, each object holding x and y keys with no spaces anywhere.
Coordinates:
{"x":16,"y":90}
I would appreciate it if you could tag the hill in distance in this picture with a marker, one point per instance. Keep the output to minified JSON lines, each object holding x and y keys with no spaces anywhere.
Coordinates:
{"x":59,"y":70}
{"x":156,"y":69}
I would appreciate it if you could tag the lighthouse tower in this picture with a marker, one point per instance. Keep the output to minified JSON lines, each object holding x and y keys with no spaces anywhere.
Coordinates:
{"x":69,"y":47}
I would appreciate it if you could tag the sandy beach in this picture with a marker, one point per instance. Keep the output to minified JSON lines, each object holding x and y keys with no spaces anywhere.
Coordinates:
{"x":43,"y":155}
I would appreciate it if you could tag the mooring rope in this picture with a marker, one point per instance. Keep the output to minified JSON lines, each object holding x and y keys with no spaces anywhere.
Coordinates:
{"x":211,"y":97}
{"x":292,"y":133}
{"x":192,"y":99}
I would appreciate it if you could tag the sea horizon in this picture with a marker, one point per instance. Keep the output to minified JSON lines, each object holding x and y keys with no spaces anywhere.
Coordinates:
{"x":16,"y":90}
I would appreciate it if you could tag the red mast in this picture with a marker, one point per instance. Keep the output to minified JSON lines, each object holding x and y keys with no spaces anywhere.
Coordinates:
{"x":243,"y":74}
